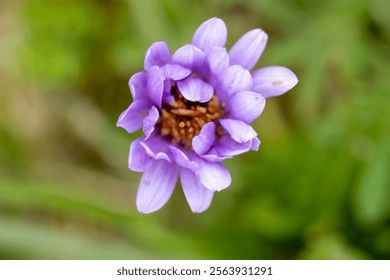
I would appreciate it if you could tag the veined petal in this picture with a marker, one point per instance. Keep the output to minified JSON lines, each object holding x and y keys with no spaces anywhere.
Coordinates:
{"x":139,"y":161}
{"x":156,"y":186}
{"x":218,"y":60}
{"x":198,"y":197}
{"x":248,"y":49}
{"x":174,"y":72}
{"x":245,"y":105}
{"x":158,"y":54}
{"x":205,"y":139}
{"x":156,"y":148}
{"x":232,"y":80}
{"x":273,"y":80}
{"x":211,"y":33}
{"x":132,"y":118}
{"x":138,"y":86}
{"x":213,"y":175}
{"x":155,"y":85}
{"x":150,"y":121}
{"x":195,"y":89}
{"x":182,"y":159}
{"x":189,"y":57}
{"x":238,"y":130}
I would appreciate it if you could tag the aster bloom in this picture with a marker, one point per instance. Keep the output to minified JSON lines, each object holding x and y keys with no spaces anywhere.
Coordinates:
{"x":195,"y":108}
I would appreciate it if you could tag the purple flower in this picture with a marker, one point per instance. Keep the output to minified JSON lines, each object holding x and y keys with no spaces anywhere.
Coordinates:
{"x":195,"y":108}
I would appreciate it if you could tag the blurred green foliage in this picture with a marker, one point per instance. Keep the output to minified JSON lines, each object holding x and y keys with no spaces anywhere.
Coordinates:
{"x":319,"y":188}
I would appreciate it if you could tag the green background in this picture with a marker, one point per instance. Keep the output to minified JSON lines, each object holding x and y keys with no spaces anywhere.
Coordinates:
{"x":319,"y":187}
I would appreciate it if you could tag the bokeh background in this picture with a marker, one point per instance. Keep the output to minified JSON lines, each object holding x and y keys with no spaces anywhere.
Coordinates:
{"x":319,"y":187}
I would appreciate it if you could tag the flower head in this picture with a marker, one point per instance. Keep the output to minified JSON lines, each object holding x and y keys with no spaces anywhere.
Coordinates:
{"x":195,"y":108}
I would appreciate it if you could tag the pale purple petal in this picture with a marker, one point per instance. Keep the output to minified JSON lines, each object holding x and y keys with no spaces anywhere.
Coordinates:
{"x":132,"y":118}
{"x":205,"y":139}
{"x":157,"y":148}
{"x":248,"y":49}
{"x":174,"y":72}
{"x":214,"y":156}
{"x":195,"y":89}
{"x":211,"y":33}
{"x":226,"y":146}
{"x":245,"y":105}
{"x":156,"y":186}
{"x":232,"y":80}
{"x":138,"y":86}
{"x":198,"y":197}
{"x":150,"y":121}
{"x":139,"y":161}
{"x":273,"y":80}
{"x":218,"y":60}
{"x":158,"y":54}
{"x":238,"y":130}
{"x":182,"y":159}
{"x":155,"y":85}
{"x":213,"y":175}
{"x":255,"y":144}
{"x":189,"y":57}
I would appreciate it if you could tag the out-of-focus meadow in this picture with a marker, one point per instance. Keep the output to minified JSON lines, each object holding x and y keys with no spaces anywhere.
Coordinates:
{"x":319,"y":187}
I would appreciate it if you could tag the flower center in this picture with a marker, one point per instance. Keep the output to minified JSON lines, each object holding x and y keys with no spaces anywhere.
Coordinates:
{"x":181,"y":119}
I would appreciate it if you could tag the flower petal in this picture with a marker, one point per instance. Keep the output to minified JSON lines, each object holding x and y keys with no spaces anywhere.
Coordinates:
{"x":238,"y":130}
{"x":211,"y":33}
{"x":158,"y":54}
{"x":245,"y":105}
{"x":213,"y":175}
{"x":132,"y":118}
{"x":225,"y":146}
{"x":139,"y":161}
{"x":214,"y":156}
{"x":182,"y":159}
{"x":189,"y":57}
{"x":174,"y":72}
{"x":150,"y":121}
{"x":248,"y":49}
{"x":156,"y":148}
{"x":232,"y":80}
{"x":273,"y":80}
{"x":198,"y":197}
{"x":218,"y":60}
{"x":156,"y":186}
{"x":205,"y":139}
{"x":155,"y":85}
{"x":138,"y":86}
{"x":195,"y":89}
{"x":255,"y":144}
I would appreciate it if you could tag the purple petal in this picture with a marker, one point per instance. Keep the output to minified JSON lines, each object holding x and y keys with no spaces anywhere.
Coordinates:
{"x":211,"y":33}
{"x":255,"y":144}
{"x":156,"y":186}
{"x":139,"y":161}
{"x":225,"y":146}
{"x":150,"y":121}
{"x":155,"y":85}
{"x":138,"y":86}
{"x":213,"y":175}
{"x":245,"y":105}
{"x":182,"y":159}
{"x":238,"y":130}
{"x":189,"y":57}
{"x":157,"y":148}
{"x":195,"y":89}
{"x":232,"y":80}
{"x":205,"y":139}
{"x":132,"y":118}
{"x":248,"y":49}
{"x":158,"y":54}
{"x":273,"y":80}
{"x":198,"y":197}
{"x":174,"y":72}
{"x":218,"y":60}
{"x":214,"y":156}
